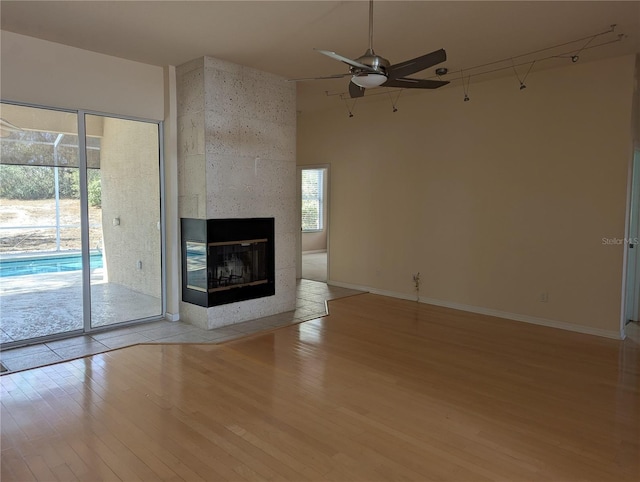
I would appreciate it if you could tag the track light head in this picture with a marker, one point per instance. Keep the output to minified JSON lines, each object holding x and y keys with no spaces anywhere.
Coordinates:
{"x":466,"y":98}
{"x":574,"y":58}
{"x":522,"y":86}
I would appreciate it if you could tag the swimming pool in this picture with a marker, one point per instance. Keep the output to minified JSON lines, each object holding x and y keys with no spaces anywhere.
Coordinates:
{"x":54,"y":263}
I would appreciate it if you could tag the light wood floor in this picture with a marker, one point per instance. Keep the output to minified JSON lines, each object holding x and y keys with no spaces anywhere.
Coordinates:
{"x":382,"y":389}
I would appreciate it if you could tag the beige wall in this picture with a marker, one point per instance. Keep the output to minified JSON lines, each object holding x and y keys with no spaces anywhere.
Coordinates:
{"x":54,"y":75}
{"x":314,"y":241}
{"x":494,"y":201}
{"x":636,"y":117}
{"x":172,"y":240}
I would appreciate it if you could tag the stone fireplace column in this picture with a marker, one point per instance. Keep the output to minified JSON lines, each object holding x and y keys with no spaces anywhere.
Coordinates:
{"x":236,"y":159}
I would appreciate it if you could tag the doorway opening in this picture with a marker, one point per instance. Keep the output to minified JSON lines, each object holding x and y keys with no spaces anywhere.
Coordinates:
{"x":314,"y":218}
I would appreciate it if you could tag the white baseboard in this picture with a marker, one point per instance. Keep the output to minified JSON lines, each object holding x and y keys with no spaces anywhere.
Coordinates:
{"x":315,"y":251}
{"x":487,"y":311}
{"x":172,"y":316}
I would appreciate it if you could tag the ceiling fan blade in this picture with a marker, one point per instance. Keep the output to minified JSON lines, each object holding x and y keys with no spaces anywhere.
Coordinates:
{"x":355,"y":91}
{"x":407,"y":83}
{"x":346,"y":60}
{"x":336,"y":76}
{"x":412,"y":66}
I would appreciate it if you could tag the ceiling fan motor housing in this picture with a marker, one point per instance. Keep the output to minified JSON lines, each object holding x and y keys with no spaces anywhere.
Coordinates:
{"x":374,"y":61}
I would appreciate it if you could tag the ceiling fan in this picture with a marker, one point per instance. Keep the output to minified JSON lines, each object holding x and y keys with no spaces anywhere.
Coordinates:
{"x":371,"y":70}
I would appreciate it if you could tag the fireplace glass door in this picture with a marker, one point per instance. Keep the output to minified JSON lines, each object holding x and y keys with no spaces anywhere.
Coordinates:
{"x":227,"y":260}
{"x":235,"y":264}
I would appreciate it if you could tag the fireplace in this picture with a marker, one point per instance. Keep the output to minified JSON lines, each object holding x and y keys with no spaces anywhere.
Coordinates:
{"x":227,"y":260}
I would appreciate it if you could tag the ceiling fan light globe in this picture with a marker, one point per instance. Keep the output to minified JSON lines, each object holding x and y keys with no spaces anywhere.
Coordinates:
{"x":369,"y":81}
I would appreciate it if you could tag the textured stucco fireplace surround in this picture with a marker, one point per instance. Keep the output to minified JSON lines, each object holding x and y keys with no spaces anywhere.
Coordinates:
{"x":236,"y":159}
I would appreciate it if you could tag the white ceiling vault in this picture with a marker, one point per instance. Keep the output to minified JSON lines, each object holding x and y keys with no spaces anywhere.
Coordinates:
{"x":279,"y":36}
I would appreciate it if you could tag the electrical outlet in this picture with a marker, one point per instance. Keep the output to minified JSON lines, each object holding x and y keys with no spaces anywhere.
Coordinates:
{"x":543,"y":297}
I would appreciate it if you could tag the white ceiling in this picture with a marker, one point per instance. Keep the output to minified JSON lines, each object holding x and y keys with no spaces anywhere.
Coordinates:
{"x":279,"y":36}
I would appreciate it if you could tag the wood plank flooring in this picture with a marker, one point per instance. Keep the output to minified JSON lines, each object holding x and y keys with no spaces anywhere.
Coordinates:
{"x":382,"y":389}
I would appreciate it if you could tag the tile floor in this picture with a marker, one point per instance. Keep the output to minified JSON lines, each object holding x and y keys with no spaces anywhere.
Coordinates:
{"x":311,"y":297}
{"x":314,"y":266}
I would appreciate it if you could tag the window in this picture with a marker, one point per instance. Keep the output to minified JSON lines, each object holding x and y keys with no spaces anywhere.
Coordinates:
{"x":312,"y":200}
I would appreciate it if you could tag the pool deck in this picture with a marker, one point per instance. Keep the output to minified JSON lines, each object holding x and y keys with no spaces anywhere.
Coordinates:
{"x":38,"y":305}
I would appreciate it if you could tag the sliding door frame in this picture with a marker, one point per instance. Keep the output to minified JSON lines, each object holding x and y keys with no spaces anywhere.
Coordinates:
{"x":84,"y":223}
{"x":84,"y":199}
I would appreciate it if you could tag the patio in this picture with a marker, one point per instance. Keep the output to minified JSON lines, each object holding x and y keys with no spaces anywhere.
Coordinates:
{"x":50,"y":303}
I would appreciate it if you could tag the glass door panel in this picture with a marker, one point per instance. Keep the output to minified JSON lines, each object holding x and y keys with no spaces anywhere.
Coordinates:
{"x":123,"y":185}
{"x":40,"y":245}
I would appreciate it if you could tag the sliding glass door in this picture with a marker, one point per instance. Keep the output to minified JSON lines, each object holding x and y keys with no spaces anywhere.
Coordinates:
{"x":40,"y":248}
{"x":80,"y":223}
{"x":123,"y":179}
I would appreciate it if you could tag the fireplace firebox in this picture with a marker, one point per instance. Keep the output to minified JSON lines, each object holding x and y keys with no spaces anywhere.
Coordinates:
{"x":227,"y":260}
